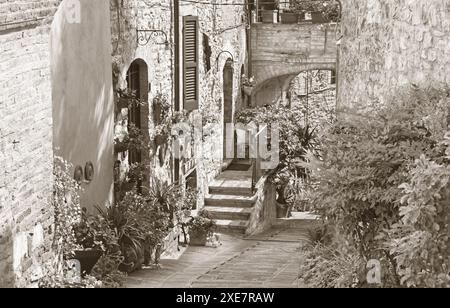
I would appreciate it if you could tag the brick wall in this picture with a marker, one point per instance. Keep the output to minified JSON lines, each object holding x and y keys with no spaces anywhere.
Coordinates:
{"x":25,"y":140}
{"x":388,"y":45}
{"x":20,"y":14}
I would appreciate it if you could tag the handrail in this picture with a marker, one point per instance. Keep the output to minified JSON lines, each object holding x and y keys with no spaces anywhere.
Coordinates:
{"x":256,"y":161}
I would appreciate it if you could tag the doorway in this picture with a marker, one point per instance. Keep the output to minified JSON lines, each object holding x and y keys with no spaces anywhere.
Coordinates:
{"x":227,"y":101}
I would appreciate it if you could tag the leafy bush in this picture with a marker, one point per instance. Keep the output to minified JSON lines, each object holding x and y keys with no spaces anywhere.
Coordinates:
{"x":328,"y":8}
{"x":329,"y":267}
{"x":294,"y":142}
{"x":361,"y":174}
{"x":420,"y":241}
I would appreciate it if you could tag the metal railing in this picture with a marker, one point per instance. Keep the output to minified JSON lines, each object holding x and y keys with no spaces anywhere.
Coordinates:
{"x":257,"y":172}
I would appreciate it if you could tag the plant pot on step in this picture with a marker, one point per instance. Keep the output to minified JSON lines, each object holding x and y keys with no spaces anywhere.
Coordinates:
{"x":317,"y":18}
{"x":198,"y":238}
{"x":282,"y":210}
{"x":87,"y":259}
{"x":289,"y":18}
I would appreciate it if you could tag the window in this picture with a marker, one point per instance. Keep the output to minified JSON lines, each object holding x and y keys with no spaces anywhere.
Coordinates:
{"x":333,"y":77}
{"x":190,"y":63}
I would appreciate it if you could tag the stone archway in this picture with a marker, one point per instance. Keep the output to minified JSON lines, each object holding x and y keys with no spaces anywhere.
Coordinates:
{"x":138,"y":114}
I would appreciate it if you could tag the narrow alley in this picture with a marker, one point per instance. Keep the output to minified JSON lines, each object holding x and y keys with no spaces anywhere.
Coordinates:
{"x":269,"y":260}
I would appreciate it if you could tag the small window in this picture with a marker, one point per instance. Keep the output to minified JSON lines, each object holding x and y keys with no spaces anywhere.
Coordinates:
{"x":206,"y":53}
{"x":333,"y":77}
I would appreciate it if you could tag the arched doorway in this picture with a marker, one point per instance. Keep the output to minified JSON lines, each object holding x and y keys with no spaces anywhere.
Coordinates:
{"x":138,"y":112}
{"x":227,"y":101}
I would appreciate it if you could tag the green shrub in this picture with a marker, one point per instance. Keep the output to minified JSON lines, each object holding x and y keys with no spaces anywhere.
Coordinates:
{"x":364,"y":162}
{"x":420,"y":241}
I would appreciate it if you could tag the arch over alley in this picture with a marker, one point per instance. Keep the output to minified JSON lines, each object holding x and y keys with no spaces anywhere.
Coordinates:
{"x":282,"y":51}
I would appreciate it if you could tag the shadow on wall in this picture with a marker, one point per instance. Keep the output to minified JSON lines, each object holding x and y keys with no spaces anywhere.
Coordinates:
{"x":6,"y":257}
{"x":83,"y":107}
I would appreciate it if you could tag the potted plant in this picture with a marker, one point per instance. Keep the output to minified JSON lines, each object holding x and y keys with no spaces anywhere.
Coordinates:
{"x":200,"y":228}
{"x":248,"y":84}
{"x":86,"y":250}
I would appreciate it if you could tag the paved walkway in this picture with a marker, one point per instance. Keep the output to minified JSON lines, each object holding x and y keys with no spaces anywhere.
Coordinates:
{"x":270,"y":260}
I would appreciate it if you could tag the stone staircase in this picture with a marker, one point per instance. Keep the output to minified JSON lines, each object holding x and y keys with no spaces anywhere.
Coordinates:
{"x":231,"y":200}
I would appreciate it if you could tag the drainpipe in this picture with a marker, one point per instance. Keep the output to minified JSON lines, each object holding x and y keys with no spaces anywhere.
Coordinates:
{"x":176,"y":77}
{"x":176,"y":26}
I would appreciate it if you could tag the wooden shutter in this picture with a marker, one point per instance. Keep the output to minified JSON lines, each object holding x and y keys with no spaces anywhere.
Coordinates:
{"x":190,"y":63}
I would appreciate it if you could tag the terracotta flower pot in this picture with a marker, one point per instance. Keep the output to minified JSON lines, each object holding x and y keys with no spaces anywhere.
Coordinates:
{"x":87,"y":259}
{"x":282,"y":210}
{"x":247,"y":90}
{"x":198,"y":238}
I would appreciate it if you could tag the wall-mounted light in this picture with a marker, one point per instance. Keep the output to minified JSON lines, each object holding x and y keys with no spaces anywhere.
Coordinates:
{"x":220,"y":53}
{"x":89,"y":172}
{"x":144,"y":36}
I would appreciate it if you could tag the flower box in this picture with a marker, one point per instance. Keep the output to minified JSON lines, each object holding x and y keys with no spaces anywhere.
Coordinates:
{"x":247,"y":90}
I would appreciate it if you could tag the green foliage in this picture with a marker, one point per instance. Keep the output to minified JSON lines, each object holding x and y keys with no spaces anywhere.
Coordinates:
{"x":328,"y":8}
{"x":420,"y":241}
{"x":66,"y":205}
{"x":361,"y":174}
{"x":294,"y":141}
{"x":329,"y":267}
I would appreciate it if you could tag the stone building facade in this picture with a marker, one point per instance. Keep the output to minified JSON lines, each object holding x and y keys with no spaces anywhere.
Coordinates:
{"x":222,"y":49}
{"x":387,"y":45}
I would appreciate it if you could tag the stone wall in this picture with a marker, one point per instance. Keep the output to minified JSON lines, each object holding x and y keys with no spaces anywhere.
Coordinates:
{"x":387,"y":45}
{"x":25,"y":140}
{"x":264,"y":214}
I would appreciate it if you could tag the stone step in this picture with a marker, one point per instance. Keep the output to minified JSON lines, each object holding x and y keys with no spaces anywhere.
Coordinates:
{"x":230,"y":201}
{"x":231,"y":226}
{"x":242,"y":161}
{"x":229,"y":213}
{"x":231,"y":190}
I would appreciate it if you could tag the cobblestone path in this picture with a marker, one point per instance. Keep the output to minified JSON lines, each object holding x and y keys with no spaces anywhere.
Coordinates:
{"x":270,"y":260}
